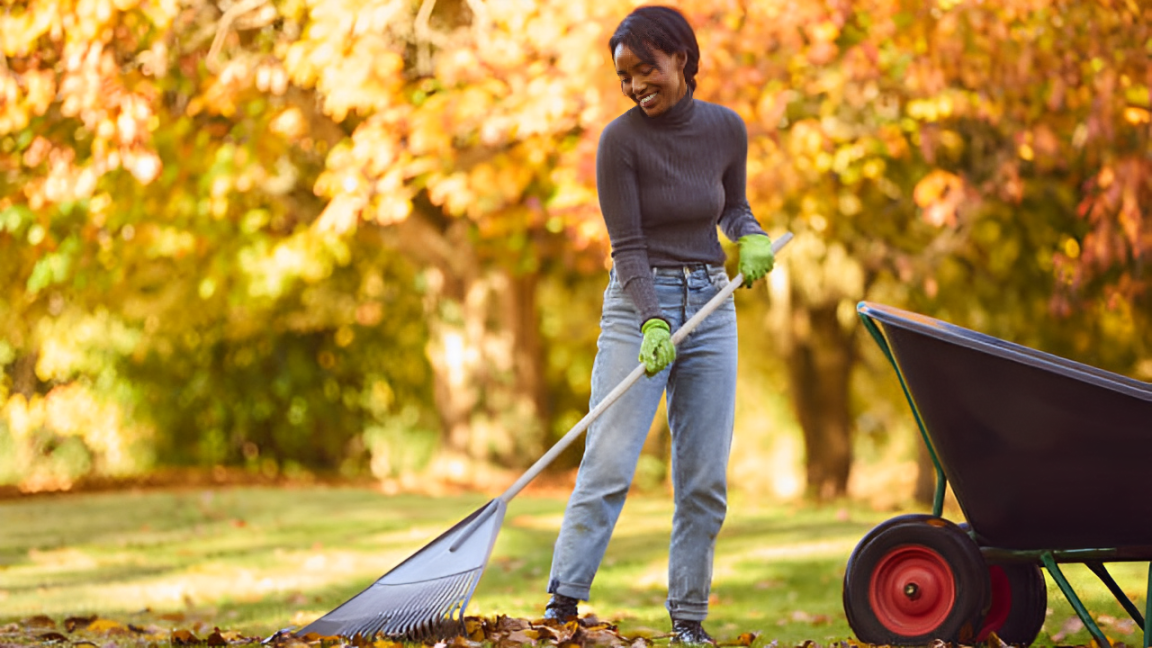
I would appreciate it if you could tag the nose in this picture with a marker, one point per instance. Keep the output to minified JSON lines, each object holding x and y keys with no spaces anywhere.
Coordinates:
{"x":638,"y":87}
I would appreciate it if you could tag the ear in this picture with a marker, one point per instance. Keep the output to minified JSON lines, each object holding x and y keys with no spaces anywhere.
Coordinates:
{"x":681,"y":59}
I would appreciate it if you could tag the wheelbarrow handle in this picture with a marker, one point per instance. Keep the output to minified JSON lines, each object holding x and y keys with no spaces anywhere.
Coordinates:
{"x":681,"y":333}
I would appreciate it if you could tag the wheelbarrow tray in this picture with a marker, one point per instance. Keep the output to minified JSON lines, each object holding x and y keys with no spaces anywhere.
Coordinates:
{"x":1043,"y":453}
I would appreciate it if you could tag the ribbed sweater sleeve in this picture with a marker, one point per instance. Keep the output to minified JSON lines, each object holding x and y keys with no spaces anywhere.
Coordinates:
{"x":665,"y":184}
{"x":737,"y":219}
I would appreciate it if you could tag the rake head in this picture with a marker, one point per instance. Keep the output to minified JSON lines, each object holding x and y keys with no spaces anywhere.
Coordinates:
{"x":422,"y":598}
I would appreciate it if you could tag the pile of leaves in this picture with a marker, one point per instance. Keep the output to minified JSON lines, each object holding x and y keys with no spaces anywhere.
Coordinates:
{"x":499,"y":632}
{"x":99,"y":632}
{"x":510,"y":632}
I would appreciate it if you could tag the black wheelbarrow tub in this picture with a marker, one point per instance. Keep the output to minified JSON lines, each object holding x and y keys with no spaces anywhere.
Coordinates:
{"x":1042,"y":453}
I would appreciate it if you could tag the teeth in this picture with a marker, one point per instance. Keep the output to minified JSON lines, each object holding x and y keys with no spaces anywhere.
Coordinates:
{"x":648,"y":99}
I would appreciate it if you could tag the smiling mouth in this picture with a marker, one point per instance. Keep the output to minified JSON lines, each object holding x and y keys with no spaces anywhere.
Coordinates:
{"x":648,"y":100}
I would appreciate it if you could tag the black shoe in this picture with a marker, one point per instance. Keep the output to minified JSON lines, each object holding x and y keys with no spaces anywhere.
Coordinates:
{"x":561,"y":608}
{"x":690,"y":633}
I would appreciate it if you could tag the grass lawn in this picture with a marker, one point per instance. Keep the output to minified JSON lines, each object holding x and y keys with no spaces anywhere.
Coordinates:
{"x":255,"y":560}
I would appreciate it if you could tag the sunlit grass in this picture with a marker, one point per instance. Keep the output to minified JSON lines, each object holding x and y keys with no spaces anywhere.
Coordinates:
{"x":259,"y":559}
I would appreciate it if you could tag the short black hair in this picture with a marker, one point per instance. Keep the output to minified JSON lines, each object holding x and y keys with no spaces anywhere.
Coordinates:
{"x":665,"y":29}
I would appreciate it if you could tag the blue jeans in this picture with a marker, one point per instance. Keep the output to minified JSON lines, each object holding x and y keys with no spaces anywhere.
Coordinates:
{"x":701,"y":388}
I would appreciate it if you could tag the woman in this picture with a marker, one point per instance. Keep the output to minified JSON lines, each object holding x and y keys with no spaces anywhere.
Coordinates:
{"x":668,"y":171}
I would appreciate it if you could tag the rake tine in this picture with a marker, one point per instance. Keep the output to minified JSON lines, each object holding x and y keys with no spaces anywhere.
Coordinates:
{"x":408,"y":619}
{"x":374,"y":627}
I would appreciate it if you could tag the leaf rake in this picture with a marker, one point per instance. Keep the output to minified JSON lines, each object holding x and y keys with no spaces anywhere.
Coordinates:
{"x":424,"y":597}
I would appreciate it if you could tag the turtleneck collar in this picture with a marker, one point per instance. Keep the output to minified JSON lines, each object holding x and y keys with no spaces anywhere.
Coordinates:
{"x":677,"y":115}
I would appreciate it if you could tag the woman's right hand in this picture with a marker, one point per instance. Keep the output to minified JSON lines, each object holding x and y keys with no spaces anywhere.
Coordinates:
{"x":657,"y":350}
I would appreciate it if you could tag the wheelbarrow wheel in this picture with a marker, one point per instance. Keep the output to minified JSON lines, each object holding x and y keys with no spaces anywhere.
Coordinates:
{"x":914,"y":579}
{"x":1019,"y":603}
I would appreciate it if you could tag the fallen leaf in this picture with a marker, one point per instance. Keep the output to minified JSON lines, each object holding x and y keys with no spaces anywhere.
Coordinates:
{"x":463,"y":642}
{"x":52,"y":638}
{"x":106,"y":626}
{"x":183,"y":638}
{"x":603,"y":636}
{"x":72,"y":623}
{"x":39,"y":621}
{"x":1070,"y":626}
{"x":745,"y":639}
{"x":509,"y":624}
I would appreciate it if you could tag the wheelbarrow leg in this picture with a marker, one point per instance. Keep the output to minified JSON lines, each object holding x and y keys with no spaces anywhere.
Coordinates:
{"x":1070,"y":594}
{"x":1148,"y":609}
{"x":1122,"y":598}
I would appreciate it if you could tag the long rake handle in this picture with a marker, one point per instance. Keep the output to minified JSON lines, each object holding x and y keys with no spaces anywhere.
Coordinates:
{"x":627,"y":383}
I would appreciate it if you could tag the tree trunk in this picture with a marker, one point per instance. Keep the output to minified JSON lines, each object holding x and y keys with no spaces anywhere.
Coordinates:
{"x":820,"y":365}
{"x":23,"y":375}
{"x":485,"y":349}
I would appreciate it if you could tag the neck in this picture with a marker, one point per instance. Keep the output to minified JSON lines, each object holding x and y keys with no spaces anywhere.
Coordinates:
{"x":680,"y":112}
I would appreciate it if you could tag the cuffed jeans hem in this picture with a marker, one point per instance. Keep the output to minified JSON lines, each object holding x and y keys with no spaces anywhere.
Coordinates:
{"x":581,"y":592}
{"x":687,"y":611}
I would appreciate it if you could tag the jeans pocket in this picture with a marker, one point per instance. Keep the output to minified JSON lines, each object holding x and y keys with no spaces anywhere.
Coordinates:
{"x":719,"y":279}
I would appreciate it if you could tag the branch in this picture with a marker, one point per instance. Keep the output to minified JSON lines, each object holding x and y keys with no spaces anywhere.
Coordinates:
{"x":423,"y":38}
{"x":230,"y":16}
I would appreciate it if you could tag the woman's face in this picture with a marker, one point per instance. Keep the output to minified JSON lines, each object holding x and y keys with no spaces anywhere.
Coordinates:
{"x":655,"y":86}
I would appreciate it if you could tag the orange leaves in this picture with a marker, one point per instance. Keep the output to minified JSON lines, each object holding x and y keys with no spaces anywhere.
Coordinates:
{"x":822,"y":38}
{"x":939,"y":194}
{"x":23,"y":96}
{"x":467,"y":108}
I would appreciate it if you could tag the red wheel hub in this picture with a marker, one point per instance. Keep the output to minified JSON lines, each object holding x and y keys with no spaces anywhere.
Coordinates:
{"x":1001,"y":602}
{"x":912,"y":590}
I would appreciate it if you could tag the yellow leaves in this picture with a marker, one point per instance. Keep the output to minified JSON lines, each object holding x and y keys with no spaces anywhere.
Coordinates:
{"x":23,"y":96}
{"x":308,"y":256}
{"x":340,"y":215}
{"x":1136,"y":115}
{"x":771,"y":106}
{"x":289,"y":124}
{"x":451,"y":192}
{"x":939,"y":194}
{"x":365,"y":178}
{"x":107,"y":626}
{"x":19,"y":30}
{"x":427,"y":135}
{"x":40,"y":90}
{"x":930,"y":110}
{"x":272,"y":79}
{"x":1071,"y":248}
{"x":353,"y":53}
{"x":69,"y":411}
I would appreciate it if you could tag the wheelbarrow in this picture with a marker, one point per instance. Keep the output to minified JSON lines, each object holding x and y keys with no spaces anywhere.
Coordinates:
{"x":1049,"y":462}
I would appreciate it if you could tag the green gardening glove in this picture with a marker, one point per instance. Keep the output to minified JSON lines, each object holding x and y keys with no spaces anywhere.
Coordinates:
{"x":756,"y":257}
{"x":657,"y":350}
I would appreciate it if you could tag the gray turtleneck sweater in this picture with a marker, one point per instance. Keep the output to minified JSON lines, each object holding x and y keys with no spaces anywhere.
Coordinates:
{"x":665,"y":183}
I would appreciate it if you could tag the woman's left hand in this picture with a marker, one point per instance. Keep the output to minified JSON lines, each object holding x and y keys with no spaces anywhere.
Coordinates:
{"x":756,"y":257}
